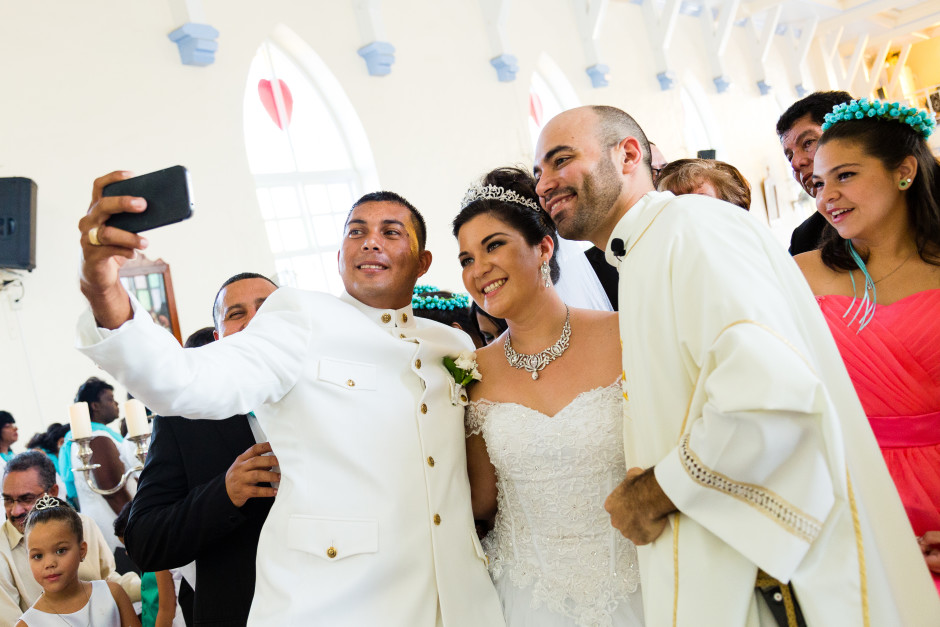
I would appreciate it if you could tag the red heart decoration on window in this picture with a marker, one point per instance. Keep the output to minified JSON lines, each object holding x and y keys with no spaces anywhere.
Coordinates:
{"x":535,"y":109}
{"x":266,"y":93}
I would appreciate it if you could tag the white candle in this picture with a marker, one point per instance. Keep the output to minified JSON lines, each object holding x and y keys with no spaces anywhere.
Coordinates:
{"x":136,"y":416}
{"x":80,"y":420}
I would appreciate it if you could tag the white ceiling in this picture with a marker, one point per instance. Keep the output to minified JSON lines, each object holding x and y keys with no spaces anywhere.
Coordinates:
{"x":838,"y":22}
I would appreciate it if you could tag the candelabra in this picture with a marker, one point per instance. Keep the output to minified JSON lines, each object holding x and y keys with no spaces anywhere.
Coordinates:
{"x":84,"y":454}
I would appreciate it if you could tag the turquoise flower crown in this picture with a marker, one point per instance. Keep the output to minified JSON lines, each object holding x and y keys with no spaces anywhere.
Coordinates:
{"x":920,"y":121}
{"x":457,"y":301}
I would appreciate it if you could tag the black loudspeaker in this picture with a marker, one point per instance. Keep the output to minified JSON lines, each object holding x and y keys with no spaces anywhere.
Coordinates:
{"x":17,"y":223}
{"x":706,"y":154}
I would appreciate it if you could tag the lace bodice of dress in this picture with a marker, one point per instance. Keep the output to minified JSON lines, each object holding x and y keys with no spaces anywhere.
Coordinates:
{"x":553,"y":475}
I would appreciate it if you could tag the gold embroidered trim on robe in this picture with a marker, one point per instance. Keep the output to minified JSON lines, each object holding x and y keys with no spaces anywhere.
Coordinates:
{"x":784,"y":513}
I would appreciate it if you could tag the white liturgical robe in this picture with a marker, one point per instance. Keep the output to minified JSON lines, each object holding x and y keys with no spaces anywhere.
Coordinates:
{"x":739,"y":398}
{"x":372,"y":522}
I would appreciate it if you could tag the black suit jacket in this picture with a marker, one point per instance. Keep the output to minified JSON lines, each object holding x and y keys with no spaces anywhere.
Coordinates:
{"x":182,"y":513}
{"x":606,"y":273}
{"x":806,"y":236}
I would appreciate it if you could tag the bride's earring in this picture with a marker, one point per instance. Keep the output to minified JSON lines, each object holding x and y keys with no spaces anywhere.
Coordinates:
{"x":546,"y":274}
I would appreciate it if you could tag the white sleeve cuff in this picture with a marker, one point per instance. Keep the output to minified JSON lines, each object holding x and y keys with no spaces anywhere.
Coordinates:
{"x":744,"y":516}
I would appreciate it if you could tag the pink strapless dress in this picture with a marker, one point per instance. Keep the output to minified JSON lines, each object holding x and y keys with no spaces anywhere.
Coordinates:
{"x":894,"y":364}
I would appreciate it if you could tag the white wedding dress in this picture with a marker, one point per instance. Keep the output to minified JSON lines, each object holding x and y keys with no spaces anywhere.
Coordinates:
{"x":553,"y":555}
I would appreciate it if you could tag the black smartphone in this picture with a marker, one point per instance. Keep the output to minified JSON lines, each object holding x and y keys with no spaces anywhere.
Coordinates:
{"x":167,"y":194}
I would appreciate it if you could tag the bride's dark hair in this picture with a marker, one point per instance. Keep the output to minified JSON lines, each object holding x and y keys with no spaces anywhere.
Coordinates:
{"x":531,"y":224}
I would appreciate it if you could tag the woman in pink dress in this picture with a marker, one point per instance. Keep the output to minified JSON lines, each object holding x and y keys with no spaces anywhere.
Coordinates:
{"x":877,"y":280}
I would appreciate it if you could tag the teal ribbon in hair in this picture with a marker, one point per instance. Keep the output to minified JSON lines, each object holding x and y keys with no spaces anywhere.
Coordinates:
{"x":866,"y":306}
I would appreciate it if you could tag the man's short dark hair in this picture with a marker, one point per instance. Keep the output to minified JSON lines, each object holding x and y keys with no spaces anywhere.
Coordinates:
{"x":203,"y":336}
{"x":613,"y":125}
{"x":417,"y":219}
{"x":90,"y":391}
{"x":817,"y":105}
{"x":238,"y":277}
{"x":33,"y":459}
{"x":120,"y":521}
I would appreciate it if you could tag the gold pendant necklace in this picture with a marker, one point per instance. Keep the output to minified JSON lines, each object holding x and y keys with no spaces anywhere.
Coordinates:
{"x":898,"y":267}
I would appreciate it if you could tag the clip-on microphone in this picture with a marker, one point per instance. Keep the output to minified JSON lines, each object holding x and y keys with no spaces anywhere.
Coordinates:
{"x":617,"y":247}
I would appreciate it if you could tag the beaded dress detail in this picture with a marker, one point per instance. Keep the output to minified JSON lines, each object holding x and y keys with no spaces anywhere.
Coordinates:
{"x":552,"y":545}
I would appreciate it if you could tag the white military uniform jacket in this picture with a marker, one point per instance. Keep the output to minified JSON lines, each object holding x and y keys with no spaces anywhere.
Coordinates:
{"x":372,"y":523}
{"x":739,"y":398}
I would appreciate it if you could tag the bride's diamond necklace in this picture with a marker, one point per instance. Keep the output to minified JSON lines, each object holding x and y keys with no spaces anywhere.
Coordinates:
{"x":534,"y":363}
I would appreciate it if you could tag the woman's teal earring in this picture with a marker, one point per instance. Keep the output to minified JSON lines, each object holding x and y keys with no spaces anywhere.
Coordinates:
{"x":904,"y":184}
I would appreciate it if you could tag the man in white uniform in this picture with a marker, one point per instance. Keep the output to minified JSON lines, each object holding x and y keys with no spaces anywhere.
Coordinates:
{"x":372,"y":522}
{"x":757,"y":454}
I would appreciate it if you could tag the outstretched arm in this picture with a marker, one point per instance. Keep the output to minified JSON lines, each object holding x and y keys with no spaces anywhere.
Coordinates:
{"x":102,"y":261}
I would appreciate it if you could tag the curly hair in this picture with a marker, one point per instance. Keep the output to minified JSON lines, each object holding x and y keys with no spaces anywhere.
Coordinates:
{"x":683,"y":176}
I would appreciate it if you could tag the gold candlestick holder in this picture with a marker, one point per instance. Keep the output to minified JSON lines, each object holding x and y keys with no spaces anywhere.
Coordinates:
{"x":84,"y":454}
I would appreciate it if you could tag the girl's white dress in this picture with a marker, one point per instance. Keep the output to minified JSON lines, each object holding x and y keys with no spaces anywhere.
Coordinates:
{"x":553,"y":555}
{"x":100,"y":611}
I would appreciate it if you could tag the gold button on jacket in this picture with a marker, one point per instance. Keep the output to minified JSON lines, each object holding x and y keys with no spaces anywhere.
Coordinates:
{"x":437,"y":519}
{"x":331,"y":552}
{"x":424,"y":408}
{"x":431,"y":462}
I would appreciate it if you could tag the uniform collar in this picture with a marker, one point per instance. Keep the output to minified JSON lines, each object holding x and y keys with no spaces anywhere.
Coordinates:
{"x":386,"y":318}
{"x":13,"y":535}
{"x":634,"y":222}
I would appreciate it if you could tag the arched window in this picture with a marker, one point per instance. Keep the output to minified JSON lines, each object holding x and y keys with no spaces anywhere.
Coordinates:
{"x":308,"y":167}
{"x":550,"y":93}
{"x":701,"y":130}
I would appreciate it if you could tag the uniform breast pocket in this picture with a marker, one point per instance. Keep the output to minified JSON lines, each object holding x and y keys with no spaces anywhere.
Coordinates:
{"x":351,"y":375}
{"x":333,"y":538}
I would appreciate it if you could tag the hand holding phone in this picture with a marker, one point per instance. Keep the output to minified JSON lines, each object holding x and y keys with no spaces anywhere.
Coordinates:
{"x":167,"y":194}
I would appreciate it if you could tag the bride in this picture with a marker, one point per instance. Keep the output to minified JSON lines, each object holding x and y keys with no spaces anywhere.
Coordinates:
{"x":545,"y":424}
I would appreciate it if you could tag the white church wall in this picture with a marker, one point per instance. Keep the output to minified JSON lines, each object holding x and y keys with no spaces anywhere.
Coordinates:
{"x":92,"y":87}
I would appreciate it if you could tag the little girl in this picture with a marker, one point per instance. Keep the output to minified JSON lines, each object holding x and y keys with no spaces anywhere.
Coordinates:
{"x":56,"y":546}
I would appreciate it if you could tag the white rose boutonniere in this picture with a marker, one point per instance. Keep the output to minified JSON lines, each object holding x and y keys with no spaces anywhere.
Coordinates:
{"x":463,"y":370}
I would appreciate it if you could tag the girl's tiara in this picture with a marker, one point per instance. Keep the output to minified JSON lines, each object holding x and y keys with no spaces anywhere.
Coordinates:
{"x":47,"y":502}
{"x":920,"y":121}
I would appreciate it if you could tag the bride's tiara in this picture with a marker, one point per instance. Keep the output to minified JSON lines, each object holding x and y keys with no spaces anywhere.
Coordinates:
{"x":495,"y":192}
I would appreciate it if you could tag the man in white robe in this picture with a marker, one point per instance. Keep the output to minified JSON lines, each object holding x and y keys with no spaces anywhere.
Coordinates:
{"x":757,"y":453}
{"x":372,"y":522}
